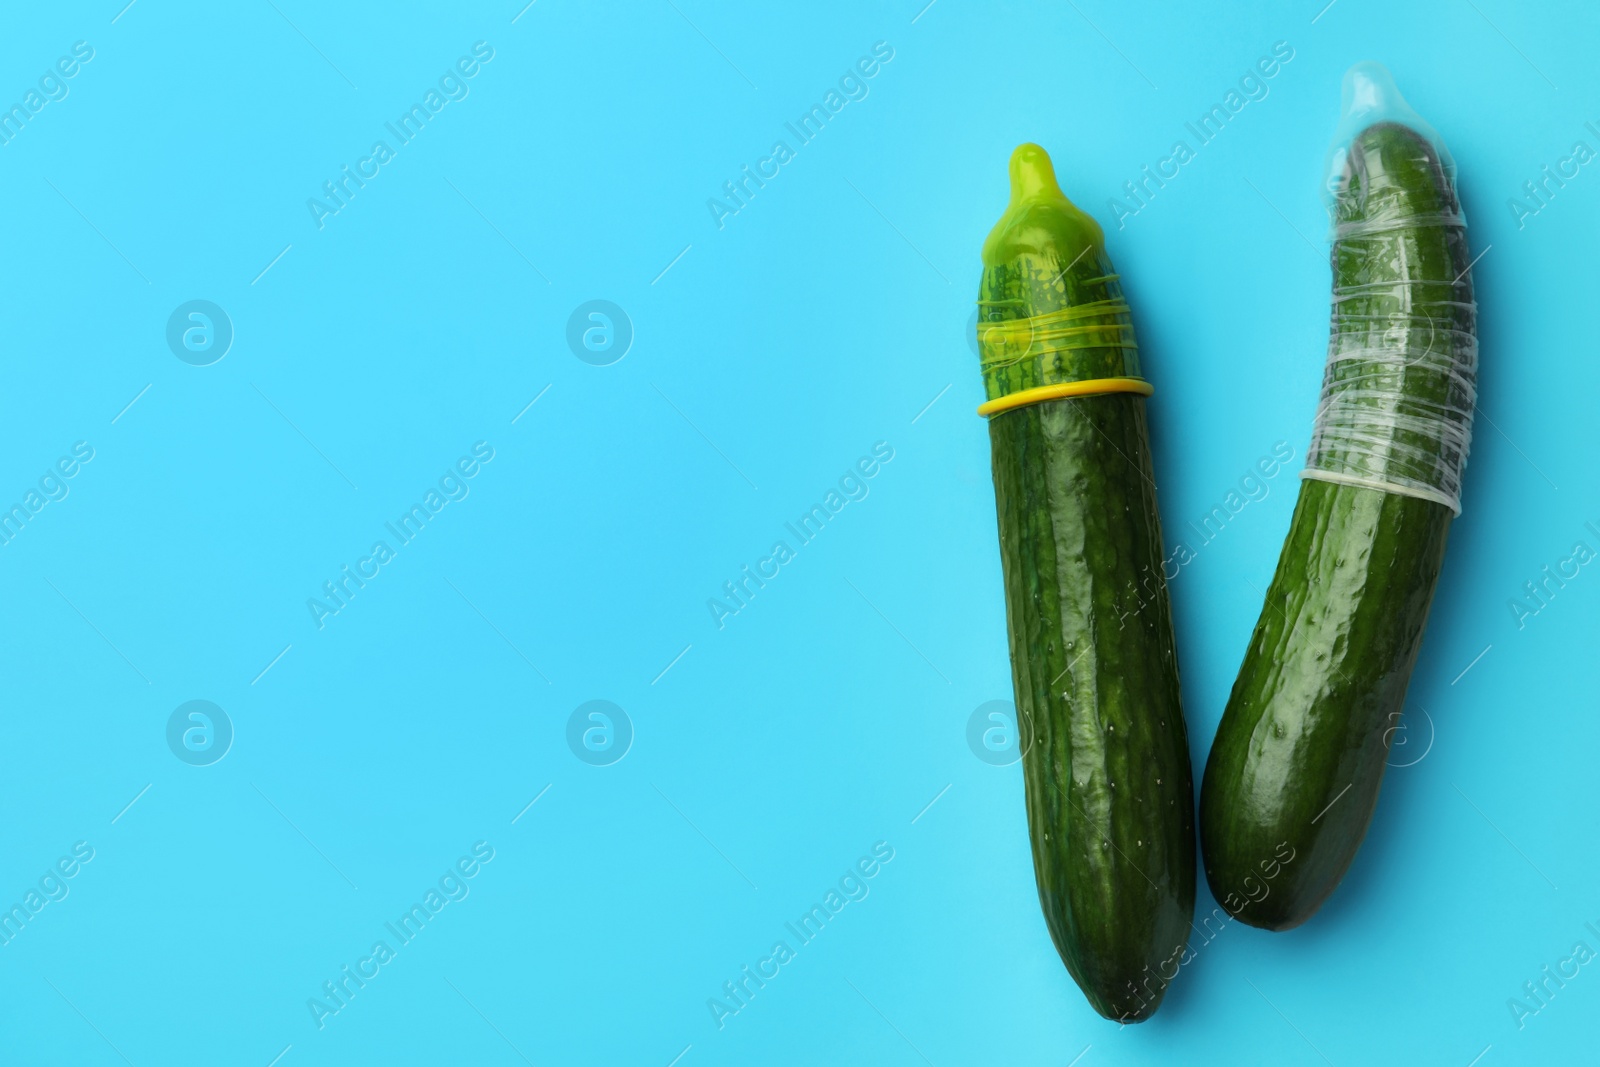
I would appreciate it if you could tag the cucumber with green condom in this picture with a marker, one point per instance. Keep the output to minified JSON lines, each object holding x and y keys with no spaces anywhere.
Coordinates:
{"x":1108,"y":788}
{"x":1294,"y":772}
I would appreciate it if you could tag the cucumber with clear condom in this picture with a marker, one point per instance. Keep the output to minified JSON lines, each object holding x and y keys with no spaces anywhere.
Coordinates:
{"x":1293,"y":777}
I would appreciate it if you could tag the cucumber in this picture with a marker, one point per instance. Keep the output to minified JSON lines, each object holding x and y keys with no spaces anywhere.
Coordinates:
{"x":1106,"y":767}
{"x":1294,"y":772}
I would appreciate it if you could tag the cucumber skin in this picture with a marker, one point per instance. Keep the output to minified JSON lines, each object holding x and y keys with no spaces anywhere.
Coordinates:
{"x":1300,"y":752}
{"x":1106,"y":767}
{"x":1317,"y":699}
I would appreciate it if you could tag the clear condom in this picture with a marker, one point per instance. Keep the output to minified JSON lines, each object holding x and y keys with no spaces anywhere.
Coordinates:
{"x":1401,"y":379}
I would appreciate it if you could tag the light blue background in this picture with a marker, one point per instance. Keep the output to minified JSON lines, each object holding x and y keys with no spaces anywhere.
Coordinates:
{"x":824,"y":717}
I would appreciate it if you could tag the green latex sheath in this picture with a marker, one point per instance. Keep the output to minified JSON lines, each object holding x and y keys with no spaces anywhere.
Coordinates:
{"x":1106,"y":759}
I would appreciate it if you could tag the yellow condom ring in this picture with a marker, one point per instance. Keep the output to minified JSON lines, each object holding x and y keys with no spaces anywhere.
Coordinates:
{"x":1091,"y":387}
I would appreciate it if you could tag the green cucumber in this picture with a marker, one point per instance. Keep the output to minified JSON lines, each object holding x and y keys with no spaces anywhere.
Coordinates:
{"x":1293,"y":776}
{"x":1106,"y":767}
